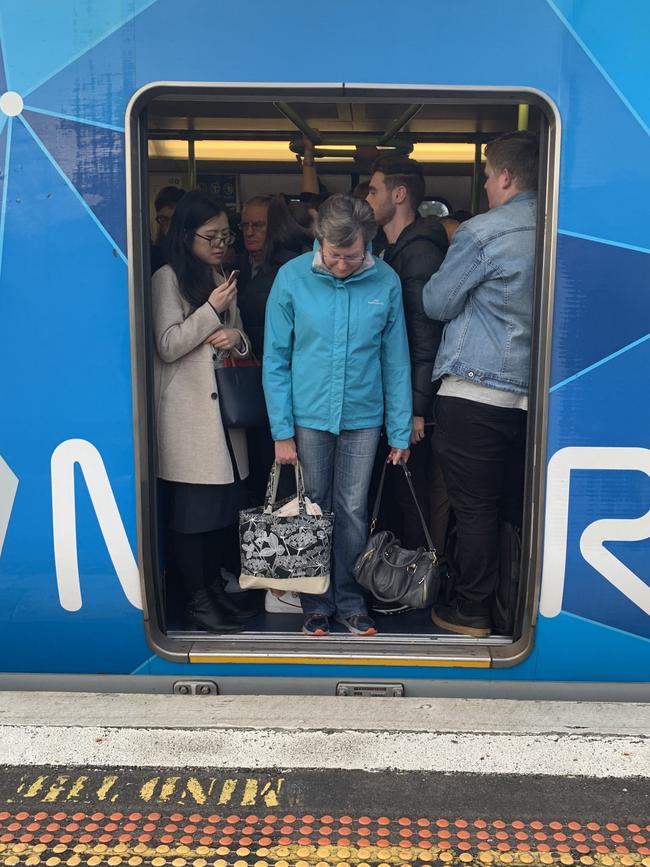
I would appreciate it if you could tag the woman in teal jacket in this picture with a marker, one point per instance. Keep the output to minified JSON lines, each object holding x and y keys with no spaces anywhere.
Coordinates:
{"x":337,"y":367}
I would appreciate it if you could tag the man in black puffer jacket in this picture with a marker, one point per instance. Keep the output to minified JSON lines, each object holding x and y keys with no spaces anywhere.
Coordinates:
{"x":415,"y":250}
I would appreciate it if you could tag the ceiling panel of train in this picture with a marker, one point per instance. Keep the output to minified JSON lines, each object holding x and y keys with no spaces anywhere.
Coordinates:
{"x":205,"y":113}
{"x":356,"y":131}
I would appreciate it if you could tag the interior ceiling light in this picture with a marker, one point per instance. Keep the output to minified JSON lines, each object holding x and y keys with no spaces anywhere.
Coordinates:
{"x":169,"y":149}
{"x":278,"y":151}
{"x":438,"y":152}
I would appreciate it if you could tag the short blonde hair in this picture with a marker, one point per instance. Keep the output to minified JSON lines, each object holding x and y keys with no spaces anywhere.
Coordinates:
{"x":518,"y":152}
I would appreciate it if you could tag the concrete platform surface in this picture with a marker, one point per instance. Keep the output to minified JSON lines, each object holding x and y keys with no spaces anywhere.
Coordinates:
{"x":323,"y":713}
{"x":596,"y":740}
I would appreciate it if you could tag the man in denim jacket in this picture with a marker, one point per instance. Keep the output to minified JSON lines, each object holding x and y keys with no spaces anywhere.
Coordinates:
{"x":484,"y":293}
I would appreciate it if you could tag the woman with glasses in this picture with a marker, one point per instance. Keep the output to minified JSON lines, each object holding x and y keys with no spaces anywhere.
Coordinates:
{"x":337,"y":368}
{"x":196,"y":325}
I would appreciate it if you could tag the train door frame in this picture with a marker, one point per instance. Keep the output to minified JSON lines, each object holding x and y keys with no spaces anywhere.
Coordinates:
{"x":383,"y":650}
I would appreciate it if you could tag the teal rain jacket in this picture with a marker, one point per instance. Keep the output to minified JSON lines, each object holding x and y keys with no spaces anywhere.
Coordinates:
{"x":335,"y":351}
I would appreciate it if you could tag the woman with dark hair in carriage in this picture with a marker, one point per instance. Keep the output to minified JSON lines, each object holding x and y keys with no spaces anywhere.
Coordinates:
{"x":196,"y":326}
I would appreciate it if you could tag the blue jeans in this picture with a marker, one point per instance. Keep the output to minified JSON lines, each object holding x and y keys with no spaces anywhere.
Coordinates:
{"x":337,"y":471}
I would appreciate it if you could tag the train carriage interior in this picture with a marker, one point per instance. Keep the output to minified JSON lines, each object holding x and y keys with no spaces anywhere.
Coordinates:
{"x":238,"y":144}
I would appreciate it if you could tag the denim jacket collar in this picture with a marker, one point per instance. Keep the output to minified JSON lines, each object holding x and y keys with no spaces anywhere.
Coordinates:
{"x":521,"y":197}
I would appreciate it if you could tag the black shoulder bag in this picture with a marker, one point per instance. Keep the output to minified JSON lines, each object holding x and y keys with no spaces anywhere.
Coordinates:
{"x":241,"y":396}
{"x":404,"y":579}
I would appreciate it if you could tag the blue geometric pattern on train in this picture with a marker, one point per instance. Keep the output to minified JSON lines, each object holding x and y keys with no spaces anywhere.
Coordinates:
{"x":92,"y":158}
{"x":618,"y":43}
{"x":596,"y":284}
{"x":593,"y":112}
{"x":3,"y":178}
{"x":74,"y":65}
{"x":43,"y":38}
{"x":622,"y":491}
{"x":606,"y":407}
{"x":613,"y":654}
{"x":3,"y":84}
{"x":64,"y":373}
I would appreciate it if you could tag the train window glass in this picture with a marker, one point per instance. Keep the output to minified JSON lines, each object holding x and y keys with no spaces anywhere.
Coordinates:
{"x":238,"y":143}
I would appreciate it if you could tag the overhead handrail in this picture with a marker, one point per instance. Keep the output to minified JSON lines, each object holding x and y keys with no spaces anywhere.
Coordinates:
{"x":327,"y":138}
{"x":291,"y":114}
{"x":399,"y":123}
{"x":396,"y":147}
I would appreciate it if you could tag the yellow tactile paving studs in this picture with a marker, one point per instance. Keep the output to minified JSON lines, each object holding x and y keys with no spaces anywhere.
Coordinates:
{"x":284,"y":840}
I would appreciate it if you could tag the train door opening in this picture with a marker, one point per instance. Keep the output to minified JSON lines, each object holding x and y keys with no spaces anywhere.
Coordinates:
{"x":239,"y":143}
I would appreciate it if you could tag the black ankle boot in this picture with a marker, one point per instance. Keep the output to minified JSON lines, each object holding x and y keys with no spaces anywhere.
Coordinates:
{"x":204,"y":614}
{"x":228,"y":602}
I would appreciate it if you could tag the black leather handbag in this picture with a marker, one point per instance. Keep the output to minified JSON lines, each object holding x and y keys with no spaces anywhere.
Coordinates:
{"x":397,"y":577}
{"x":241,"y":396}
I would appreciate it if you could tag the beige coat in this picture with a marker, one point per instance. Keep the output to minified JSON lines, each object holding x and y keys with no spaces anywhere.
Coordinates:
{"x":191,"y":439}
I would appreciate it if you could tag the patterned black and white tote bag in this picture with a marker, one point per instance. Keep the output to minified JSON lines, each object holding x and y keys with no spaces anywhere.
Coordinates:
{"x":286,"y":545}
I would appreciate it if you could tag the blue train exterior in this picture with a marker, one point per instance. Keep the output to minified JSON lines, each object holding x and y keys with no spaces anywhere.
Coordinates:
{"x":67,"y":448}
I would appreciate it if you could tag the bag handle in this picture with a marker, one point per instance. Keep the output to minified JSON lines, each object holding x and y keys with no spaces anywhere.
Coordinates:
{"x":251,"y":360}
{"x":375,"y":508}
{"x":407,"y":473}
{"x":272,"y":488}
{"x":380,"y":490}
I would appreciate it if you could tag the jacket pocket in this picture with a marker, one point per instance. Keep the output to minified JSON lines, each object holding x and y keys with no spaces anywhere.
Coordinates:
{"x":367,"y":320}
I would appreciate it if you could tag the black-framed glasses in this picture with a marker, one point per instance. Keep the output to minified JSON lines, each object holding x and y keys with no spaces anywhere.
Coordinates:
{"x":224,"y":240}
{"x":334,"y":259}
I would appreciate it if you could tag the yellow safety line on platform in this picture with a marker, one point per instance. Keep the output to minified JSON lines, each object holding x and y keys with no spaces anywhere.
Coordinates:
{"x":182,"y":789}
{"x":408,"y":662}
{"x":295,"y":855}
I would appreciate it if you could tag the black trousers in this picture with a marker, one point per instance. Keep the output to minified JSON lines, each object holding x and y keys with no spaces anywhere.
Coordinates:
{"x":199,"y":557}
{"x":481,"y":449}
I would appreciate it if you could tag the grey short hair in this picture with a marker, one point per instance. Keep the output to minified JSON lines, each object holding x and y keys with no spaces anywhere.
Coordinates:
{"x":341,"y":219}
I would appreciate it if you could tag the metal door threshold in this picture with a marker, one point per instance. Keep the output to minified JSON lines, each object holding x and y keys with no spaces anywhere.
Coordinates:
{"x":343,"y":650}
{"x":337,"y":640}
